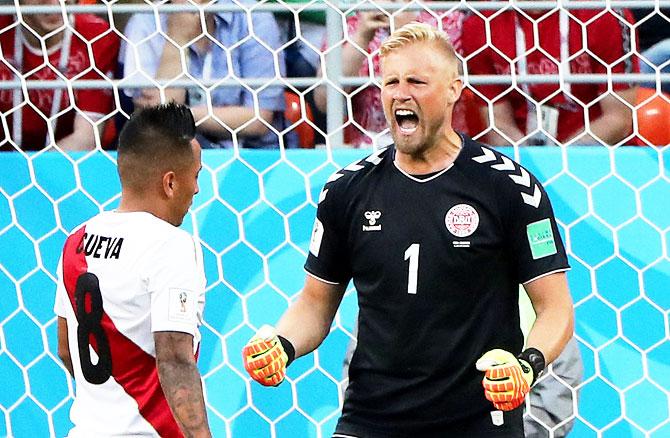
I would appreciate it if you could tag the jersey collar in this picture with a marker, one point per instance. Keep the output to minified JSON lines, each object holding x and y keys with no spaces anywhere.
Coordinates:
{"x":464,"y":141}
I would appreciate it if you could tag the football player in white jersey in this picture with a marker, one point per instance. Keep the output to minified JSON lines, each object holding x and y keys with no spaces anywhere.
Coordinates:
{"x":130,"y":292}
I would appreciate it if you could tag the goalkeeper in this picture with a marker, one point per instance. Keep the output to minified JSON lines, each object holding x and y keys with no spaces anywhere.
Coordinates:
{"x":436,"y":231}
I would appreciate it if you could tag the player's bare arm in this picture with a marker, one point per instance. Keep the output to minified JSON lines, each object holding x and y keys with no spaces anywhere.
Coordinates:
{"x":307,"y":322}
{"x":180,"y":380}
{"x":300,"y":331}
{"x":63,"y":345}
{"x":551,"y":331}
{"x":554,"y":325}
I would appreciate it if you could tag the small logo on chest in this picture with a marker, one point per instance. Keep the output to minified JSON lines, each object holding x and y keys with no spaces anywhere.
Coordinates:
{"x":372,"y":216}
{"x":462,"y":220}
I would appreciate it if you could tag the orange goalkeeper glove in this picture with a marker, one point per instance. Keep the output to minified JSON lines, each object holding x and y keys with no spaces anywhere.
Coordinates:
{"x":507,"y":379}
{"x":267,"y":355}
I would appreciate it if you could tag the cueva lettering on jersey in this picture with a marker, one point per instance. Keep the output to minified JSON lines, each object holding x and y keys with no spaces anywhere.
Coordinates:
{"x":100,"y":246}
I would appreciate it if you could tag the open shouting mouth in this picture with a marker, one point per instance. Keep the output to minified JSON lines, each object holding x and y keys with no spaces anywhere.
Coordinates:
{"x":407,"y":120}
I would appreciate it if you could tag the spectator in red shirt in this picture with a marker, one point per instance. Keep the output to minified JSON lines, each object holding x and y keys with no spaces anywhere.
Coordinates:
{"x":68,"y":49}
{"x":563,"y":111}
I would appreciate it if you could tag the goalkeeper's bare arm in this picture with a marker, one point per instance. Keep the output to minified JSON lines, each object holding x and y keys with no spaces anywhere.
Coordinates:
{"x":307,"y":321}
{"x":300,"y":331}
{"x":554,"y":324}
{"x":507,"y":378}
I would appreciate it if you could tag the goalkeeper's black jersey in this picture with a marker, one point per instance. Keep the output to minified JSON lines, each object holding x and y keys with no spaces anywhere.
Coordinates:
{"x":436,"y":263}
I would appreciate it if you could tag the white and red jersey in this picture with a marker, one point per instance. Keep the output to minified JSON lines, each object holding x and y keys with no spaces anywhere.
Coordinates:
{"x":123,"y":276}
{"x":89,"y":50}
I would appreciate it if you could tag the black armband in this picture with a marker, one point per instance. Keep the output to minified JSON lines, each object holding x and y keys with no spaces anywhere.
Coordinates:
{"x":535,"y":359}
{"x":290,"y":350}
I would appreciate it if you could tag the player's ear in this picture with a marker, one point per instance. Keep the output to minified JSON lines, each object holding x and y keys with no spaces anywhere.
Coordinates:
{"x":169,"y":183}
{"x":455,"y":89}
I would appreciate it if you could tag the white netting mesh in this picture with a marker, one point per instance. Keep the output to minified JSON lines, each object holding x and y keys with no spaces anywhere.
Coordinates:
{"x":255,"y":209}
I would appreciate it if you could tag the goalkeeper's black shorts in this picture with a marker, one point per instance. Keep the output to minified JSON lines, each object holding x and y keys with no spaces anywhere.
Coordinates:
{"x":478,"y":426}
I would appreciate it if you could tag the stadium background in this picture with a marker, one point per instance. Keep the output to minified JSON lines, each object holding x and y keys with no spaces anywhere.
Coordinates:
{"x":254,"y":215}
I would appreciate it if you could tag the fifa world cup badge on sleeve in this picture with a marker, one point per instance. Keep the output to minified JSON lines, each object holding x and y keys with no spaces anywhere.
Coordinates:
{"x":541,"y":239}
{"x":317,"y":236}
{"x":181,"y":303}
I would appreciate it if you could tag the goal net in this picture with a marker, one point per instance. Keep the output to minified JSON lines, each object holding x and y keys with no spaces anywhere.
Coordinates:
{"x":255,"y":209}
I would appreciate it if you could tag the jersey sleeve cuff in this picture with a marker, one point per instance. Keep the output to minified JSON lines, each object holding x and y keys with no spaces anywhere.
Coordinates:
{"x":555,"y":271}
{"x":313,"y":275}
{"x":59,"y":311}
{"x":172,"y":327}
{"x":59,"y":307}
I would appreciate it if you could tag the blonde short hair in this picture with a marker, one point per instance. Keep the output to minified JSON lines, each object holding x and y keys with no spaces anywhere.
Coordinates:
{"x":416,"y":32}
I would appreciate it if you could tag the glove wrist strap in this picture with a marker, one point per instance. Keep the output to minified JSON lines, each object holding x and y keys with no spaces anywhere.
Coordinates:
{"x":535,"y":359}
{"x":288,"y":349}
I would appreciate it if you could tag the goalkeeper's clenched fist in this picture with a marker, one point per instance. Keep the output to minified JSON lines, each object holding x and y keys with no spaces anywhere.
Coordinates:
{"x":508,"y":379}
{"x":267,"y":355}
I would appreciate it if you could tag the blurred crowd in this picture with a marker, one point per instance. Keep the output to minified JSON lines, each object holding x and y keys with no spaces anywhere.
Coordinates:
{"x":189,"y":56}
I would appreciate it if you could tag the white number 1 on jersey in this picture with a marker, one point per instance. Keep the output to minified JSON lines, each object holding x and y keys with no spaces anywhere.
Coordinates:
{"x":412,"y":254}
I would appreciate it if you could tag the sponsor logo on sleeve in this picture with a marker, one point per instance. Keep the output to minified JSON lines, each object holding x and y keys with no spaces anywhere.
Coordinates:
{"x":182,"y":304}
{"x":317,"y":237}
{"x":541,"y":239}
